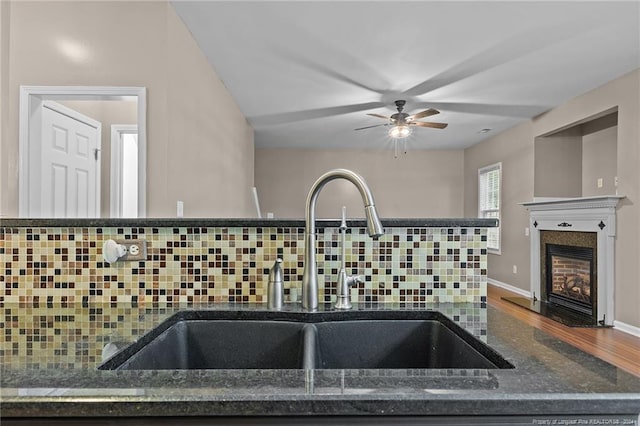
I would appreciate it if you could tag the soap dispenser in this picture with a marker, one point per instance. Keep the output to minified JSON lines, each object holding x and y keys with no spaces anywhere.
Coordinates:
{"x":275,"y":289}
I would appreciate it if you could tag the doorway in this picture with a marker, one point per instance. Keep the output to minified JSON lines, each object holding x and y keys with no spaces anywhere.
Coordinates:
{"x":30,"y":138}
{"x":124,"y":171}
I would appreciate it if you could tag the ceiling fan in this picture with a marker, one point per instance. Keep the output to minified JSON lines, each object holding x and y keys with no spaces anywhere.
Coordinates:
{"x":402,"y":122}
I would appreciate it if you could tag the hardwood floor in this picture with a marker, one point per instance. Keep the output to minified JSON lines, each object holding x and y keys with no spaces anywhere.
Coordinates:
{"x":616,"y":347}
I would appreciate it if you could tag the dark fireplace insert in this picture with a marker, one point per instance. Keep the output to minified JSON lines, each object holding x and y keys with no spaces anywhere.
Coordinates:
{"x":570,"y":277}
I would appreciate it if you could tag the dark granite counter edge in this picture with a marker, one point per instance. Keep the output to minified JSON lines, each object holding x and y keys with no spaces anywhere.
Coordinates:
{"x":429,"y":405}
{"x":244,"y":222}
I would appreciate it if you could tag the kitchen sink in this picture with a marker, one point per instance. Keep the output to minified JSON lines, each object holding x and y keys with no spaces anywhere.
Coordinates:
{"x":299,"y":340}
{"x":222,"y":344}
{"x":394,"y":344}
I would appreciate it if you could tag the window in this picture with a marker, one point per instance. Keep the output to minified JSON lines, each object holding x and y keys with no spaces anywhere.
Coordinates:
{"x":489,"y":181}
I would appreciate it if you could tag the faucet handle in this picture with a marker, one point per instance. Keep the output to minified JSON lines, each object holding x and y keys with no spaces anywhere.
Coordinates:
{"x":345,"y":281}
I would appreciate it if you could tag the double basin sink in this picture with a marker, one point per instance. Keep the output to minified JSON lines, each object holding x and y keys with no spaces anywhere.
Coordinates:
{"x":298,"y":340}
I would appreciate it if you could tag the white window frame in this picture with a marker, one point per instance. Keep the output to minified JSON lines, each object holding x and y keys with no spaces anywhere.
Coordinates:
{"x":491,"y":213}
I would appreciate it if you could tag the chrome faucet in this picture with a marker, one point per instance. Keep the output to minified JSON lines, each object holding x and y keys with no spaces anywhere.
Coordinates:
{"x":374,"y":228}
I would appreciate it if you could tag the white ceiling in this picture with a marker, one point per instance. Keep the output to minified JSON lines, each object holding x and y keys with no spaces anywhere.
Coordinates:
{"x":306,"y":73}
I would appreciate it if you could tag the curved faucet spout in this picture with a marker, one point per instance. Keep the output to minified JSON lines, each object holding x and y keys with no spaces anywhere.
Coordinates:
{"x":374,"y":228}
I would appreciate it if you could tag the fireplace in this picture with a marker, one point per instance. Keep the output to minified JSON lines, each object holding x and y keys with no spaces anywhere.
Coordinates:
{"x":568,"y":271}
{"x":569,"y":277}
{"x":583,"y":231}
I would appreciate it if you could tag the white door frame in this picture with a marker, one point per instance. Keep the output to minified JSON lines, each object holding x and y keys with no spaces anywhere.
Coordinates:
{"x":31,"y":96}
{"x":117,"y":130}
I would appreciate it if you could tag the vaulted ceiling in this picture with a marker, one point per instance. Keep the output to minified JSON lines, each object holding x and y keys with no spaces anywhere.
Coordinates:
{"x":306,"y":73}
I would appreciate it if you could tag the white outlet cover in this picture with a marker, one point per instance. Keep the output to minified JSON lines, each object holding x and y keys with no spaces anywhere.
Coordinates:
{"x":135,"y":249}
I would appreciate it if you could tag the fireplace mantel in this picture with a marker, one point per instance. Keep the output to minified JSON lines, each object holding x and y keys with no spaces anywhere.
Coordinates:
{"x":544,"y":204}
{"x":584,"y":214}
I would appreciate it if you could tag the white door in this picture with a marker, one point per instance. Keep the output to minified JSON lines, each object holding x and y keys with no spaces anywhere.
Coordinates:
{"x":70,"y":163}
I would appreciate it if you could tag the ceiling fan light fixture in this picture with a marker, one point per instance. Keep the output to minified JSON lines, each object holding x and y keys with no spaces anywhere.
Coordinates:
{"x":399,"y":131}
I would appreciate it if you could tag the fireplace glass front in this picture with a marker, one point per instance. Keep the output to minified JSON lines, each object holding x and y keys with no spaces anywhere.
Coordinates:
{"x":570,"y":277}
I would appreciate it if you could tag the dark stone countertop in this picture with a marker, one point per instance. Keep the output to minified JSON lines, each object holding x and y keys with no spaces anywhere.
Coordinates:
{"x":549,"y":378}
{"x":244,"y":222}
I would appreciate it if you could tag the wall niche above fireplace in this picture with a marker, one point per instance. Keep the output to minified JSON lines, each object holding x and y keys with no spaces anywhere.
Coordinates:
{"x":578,"y":160}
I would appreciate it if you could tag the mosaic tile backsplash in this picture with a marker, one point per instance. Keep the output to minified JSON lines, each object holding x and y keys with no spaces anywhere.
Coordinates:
{"x":231,"y":264}
{"x":60,"y":303}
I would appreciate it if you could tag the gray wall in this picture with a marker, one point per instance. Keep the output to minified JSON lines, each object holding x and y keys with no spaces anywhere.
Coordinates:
{"x":515,"y":148}
{"x":558,"y":165}
{"x":418,"y":184}
{"x":199,"y":144}
{"x":4,"y":85}
{"x":570,"y":162}
{"x":599,"y":161}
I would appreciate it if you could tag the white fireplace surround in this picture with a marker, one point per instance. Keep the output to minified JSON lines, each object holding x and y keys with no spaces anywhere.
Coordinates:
{"x":585,"y":214}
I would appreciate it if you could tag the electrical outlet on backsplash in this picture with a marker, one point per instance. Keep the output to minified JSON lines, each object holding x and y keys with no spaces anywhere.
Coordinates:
{"x":230,"y":264}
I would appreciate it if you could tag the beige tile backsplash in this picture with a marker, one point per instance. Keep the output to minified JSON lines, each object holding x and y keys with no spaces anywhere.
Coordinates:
{"x":230,"y":265}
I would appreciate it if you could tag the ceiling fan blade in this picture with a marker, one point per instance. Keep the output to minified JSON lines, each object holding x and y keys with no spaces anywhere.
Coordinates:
{"x":518,"y":45}
{"x":379,"y":116}
{"x":429,"y":124}
{"x":309,"y":114}
{"x":425,"y":113}
{"x":369,"y":127}
{"x":315,"y":66}
{"x":358,"y":72}
{"x":517,"y":111}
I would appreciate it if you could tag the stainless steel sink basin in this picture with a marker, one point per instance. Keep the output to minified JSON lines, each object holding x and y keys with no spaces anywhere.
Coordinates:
{"x":297,"y":340}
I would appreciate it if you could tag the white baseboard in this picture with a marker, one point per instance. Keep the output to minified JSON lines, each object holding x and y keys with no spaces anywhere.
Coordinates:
{"x":509,"y":287}
{"x":619,"y":325}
